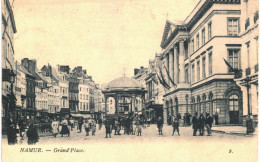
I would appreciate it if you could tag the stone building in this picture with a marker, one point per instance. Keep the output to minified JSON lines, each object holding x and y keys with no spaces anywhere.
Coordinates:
{"x":249,"y":52}
{"x":199,"y":79}
{"x":155,"y":91}
{"x":8,"y":65}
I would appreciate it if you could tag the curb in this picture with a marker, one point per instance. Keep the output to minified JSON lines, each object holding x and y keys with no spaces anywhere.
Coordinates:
{"x":230,"y":133}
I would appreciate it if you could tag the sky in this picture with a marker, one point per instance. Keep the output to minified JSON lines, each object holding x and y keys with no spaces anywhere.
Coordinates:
{"x":109,"y":38}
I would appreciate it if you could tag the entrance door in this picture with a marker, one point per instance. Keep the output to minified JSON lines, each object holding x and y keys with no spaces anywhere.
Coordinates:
{"x":233,"y":109}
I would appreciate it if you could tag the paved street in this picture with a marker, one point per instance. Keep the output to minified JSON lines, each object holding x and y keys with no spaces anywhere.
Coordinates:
{"x":148,"y":134}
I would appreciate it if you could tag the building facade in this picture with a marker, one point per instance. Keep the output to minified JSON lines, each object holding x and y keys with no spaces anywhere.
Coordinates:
{"x":195,"y":75}
{"x":249,"y":52}
{"x":8,"y":65}
{"x":155,"y":91}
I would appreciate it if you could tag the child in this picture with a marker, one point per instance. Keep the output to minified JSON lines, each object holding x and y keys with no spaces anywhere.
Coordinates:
{"x":175,"y":125}
{"x":139,"y":127}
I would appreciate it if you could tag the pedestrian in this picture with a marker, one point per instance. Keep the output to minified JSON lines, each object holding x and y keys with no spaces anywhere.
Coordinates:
{"x":93,"y":127}
{"x":160,"y":125}
{"x":216,"y":118}
{"x":87,"y":127}
{"x":100,"y":123}
{"x":175,"y":125}
{"x":11,"y":130}
{"x":21,"y":125}
{"x":108,"y":126}
{"x":55,"y":127}
{"x":195,"y":124}
{"x":32,"y":134}
{"x":117,"y":127}
{"x":128,"y":125}
{"x":71,"y":122}
{"x":64,"y":128}
{"x":134,"y":125}
{"x":209,"y":121}
{"x":148,"y":122}
{"x":139,"y":124}
{"x":80,"y":122}
{"x":201,"y":124}
{"x":250,"y":124}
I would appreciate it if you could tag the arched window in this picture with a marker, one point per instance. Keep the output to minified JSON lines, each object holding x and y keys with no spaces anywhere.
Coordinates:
{"x":193,"y":106}
{"x":187,"y":104}
{"x":233,"y":103}
{"x":171,"y":107}
{"x":198,"y":108}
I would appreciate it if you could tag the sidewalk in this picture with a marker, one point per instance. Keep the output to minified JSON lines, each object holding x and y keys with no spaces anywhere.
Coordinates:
{"x":232,"y":130}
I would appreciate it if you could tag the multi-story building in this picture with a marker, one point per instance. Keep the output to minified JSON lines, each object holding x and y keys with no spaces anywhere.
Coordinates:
{"x":63,"y":79}
{"x":199,"y":79}
{"x":140,"y":75}
{"x":249,"y":33}
{"x":53,"y":90}
{"x":20,"y":91}
{"x":41,"y":101}
{"x":73,"y":94}
{"x":8,"y":65}
{"x":83,"y":89}
{"x":155,"y":91}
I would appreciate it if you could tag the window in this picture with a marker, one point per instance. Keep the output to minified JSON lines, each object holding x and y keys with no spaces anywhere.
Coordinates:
{"x":248,"y":54}
{"x":203,"y":36}
{"x":81,"y":96}
{"x":87,"y":97}
{"x":203,"y":67}
{"x":233,"y":103}
{"x":210,"y":63}
{"x":233,"y":26}
{"x":209,"y":30}
{"x":187,"y":75}
{"x":193,"y":73}
{"x":192,"y":45}
{"x":198,"y":70}
{"x":233,"y":58}
{"x":198,"y":41}
{"x":247,"y":23}
{"x":80,"y":88}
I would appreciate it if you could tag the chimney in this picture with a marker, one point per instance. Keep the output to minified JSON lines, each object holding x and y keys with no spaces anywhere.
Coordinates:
{"x":136,"y":71}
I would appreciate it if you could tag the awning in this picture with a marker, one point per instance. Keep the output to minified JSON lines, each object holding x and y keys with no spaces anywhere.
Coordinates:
{"x":81,"y":115}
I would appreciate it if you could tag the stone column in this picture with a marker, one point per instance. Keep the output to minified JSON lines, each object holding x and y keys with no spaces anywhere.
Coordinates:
{"x":105,"y":105}
{"x":167,"y":65}
{"x":176,"y":64}
{"x":181,"y":61}
{"x":171,"y":65}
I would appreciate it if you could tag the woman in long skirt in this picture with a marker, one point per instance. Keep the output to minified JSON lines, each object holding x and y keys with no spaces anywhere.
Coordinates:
{"x":32,"y":134}
{"x":55,"y":127}
{"x":64,"y":128}
{"x":87,"y":127}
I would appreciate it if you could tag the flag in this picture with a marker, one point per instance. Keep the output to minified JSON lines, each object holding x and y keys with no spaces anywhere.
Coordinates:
{"x":163,"y":80}
{"x":230,"y":67}
{"x":169,"y":76}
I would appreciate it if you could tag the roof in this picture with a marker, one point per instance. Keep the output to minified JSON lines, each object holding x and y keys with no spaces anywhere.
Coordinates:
{"x":22,"y":69}
{"x":124,"y":83}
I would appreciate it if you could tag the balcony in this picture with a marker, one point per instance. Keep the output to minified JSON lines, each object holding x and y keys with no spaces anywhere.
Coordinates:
{"x":247,"y":23}
{"x":248,"y":71}
{"x":256,"y":68}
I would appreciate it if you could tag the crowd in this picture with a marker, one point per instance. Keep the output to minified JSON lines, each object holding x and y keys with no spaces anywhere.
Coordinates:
{"x":128,"y":124}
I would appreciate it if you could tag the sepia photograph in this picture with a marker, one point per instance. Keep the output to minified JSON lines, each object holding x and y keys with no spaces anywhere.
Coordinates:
{"x":129,"y":80}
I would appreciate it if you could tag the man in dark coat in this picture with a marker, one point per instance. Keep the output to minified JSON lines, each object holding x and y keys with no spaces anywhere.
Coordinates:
{"x":195,"y":124}
{"x":80,"y":124}
{"x":21,"y":126}
{"x":209,"y":121}
{"x":216,"y":118}
{"x":11,"y":131}
{"x":160,"y":125}
{"x":201,"y":124}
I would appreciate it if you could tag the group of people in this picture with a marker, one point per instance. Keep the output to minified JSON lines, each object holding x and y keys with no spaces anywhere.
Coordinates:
{"x":199,"y":123}
{"x":129,"y":125}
